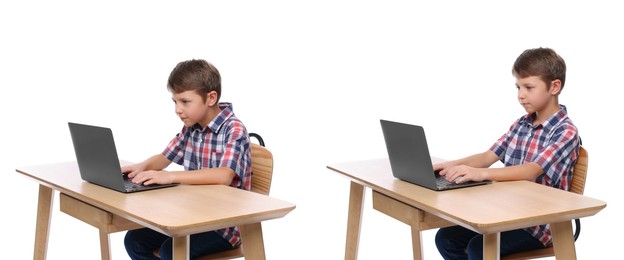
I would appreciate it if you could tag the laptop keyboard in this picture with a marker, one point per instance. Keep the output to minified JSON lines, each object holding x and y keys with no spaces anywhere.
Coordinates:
{"x":132,"y":186}
{"x":442,"y":182}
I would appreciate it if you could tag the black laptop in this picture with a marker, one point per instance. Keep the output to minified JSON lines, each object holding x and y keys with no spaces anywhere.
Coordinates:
{"x":98,"y":161}
{"x":410,"y":160}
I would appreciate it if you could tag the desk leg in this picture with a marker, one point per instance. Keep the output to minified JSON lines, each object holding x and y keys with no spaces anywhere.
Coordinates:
{"x":563,"y":240}
{"x":356,"y":200}
{"x":491,"y":246}
{"x":251,"y":234}
{"x":105,"y":245}
{"x":44,"y":214}
{"x":181,"y":247}
{"x":417,"y":244}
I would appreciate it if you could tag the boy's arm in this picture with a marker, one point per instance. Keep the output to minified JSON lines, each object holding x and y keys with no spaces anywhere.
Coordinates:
{"x":480,"y":160}
{"x":475,"y":168}
{"x":156,"y":162}
{"x":527,"y":171}
{"x":221,"y":175}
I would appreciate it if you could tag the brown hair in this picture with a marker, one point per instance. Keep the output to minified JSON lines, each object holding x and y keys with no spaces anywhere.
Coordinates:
{"x":542,"y":62}
{"x":197,"y":75}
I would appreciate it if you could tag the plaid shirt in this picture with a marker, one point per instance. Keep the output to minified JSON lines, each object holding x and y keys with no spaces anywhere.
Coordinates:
{"x":554,"y":145}
{"x":224,"y":142}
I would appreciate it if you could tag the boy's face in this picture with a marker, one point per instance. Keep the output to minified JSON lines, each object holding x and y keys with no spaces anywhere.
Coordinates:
{"x":534,"y":94}
{"x":191,"y":108}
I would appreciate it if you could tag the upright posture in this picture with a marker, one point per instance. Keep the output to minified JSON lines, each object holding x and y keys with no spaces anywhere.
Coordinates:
{"x":213,"y":147}
{"x":541,"y":146}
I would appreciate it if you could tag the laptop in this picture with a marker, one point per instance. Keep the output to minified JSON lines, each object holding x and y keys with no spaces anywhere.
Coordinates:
{"x":97,"y":159}
{"x":410,"y":160}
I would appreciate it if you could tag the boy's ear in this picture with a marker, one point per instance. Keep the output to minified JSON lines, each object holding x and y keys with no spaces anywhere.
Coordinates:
{"x":555,"y":87}
{"x":211,"y":98}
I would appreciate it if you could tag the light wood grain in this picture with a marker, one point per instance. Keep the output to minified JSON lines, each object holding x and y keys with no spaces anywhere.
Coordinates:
{"x":225,"y":206}
{"x":579,"y":178}
{"x":487,"y":209}
{"x":44,"y":215}
{"x":261,"y":178}
{"x":414,"y":217}
{"x":510,"y":205}
{"x":189,"y":209}
{"x":354,"y":222}
{"x":94,"y":216}
{"x":261,"y":169}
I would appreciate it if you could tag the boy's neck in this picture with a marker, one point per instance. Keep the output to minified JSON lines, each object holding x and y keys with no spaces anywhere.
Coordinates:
{"x":544,"y":114}
{"x":211,"y":113}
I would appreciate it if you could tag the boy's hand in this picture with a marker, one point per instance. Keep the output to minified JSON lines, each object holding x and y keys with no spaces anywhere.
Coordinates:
{"x":131,"y":170}
{"x":441,"y":166}
{"x":462,"y":173}
{"x":153,"y":177}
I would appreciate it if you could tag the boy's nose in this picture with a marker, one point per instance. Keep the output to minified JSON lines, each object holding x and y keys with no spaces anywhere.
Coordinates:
{"x":521,"y":94}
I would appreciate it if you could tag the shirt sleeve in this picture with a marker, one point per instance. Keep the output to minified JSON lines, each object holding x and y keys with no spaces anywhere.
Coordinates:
{"x":236,"y":145}
{"x":559,"y":154}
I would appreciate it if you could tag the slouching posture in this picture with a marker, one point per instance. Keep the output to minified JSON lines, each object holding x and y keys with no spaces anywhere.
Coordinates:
{"x":214,"y":148}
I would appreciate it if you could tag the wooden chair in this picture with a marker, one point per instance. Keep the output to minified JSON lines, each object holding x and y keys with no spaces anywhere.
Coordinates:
{"x":262,"y":174}
{"x":578,"y":186}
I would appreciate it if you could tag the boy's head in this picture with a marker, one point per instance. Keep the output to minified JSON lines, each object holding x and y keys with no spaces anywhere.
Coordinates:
{"x":541,"y":62}
{"x":197,"y":75}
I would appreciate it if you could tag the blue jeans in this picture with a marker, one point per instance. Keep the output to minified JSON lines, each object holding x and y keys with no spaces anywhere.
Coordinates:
{"x":457,"y":242}
{"x":140,"y":244}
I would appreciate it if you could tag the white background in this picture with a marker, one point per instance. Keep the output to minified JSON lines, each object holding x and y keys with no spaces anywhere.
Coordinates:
{"x":313,"y":78}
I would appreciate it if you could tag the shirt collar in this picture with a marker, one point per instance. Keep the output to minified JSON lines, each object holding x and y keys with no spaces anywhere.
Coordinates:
{"x":550,"y":122}
{"x":227,"y":111}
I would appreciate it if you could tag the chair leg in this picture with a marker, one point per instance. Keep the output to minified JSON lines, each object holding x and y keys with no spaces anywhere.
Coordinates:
{"x":577,"y":229}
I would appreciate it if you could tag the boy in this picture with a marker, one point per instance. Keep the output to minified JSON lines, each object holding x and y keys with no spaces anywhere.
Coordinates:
{"x":541,"y":146}
{"x":213,"y":146}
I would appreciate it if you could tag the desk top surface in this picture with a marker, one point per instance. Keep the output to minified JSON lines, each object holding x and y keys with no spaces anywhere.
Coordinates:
{"x":487,"y":208}
{"x":179,"y":210}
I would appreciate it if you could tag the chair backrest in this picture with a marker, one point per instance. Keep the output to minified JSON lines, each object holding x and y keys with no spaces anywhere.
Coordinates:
{"x":261,"y":176}
{"x":579,"y":175}
{"x":261,"y":169}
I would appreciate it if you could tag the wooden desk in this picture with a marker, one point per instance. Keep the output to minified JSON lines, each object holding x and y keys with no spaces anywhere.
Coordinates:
{"x":487,"y":209}
{"x":176,"y":211}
